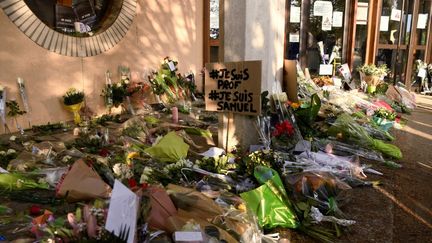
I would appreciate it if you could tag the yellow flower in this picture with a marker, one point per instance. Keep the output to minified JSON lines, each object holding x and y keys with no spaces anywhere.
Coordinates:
{"x":130,"y":156}
{"x":295,"y":105}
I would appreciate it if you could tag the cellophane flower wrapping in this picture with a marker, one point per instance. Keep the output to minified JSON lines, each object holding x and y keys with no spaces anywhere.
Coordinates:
{"x":269,"y":202}
{"x":346,"y":128}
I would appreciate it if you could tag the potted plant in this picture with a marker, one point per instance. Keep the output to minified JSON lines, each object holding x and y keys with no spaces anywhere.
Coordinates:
{"x":73,"y":101}
{"x":372,"y":75}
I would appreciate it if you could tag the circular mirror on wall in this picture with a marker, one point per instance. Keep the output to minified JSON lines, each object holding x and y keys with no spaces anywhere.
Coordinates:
{"x":78,"y":28}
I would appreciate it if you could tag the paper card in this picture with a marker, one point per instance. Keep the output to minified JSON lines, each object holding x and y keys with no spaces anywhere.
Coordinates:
{"x":345,"y":71}
{"x":326,"y":69}
{"x":171,"y":66}
{"x":396,"y":14}
{"x":294,"y":38}
{"x":123,"y":211}
{"x":188,"y":236}
{"x":422,"y":73}
{"x":233,"y":87}
{"x":422,"y":21}
{"x":326,"y":23}
{"x":294,"y":14}
{"x":384,"y":23}
{"x":337,"y":19}
{"x":323,"y":8}
{"x":362,"y":13}
{"x":337,"y":82}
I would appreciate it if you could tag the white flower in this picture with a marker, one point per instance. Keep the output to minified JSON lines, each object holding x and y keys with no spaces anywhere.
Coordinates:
{"x":66,"y":158}
{"x":164,"y":76}
{"x":11,"y":151}
{"x":146,"y":174}
{"x":126,"y":81}
{"x":122,"y":171}
{"x":117,"y":169}
{"x":2,"y":152}
{"x":118,"y":85}
{"x":12,"y":138}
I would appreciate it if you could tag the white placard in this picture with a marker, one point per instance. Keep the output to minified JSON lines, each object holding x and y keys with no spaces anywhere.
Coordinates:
{"x":323,"y":8}
{"x":396,"y":14}
{"x":422,"y":21}
{"x":326,"y":23}
{"x":362,"y":13}
{"x":422,"y":73}
{"x":294,"y":14}
{"x":326,"y":69}
{"x":294,"y":38}
{"x":123,"y":211}
{"x":337,"y":19}
{"x":384,"y":23}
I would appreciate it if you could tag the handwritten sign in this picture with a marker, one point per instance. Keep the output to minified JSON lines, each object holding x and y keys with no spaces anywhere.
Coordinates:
{"x":233,"y":87}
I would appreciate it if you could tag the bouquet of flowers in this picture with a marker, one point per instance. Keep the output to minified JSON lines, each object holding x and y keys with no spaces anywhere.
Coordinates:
{"x":73,"y":101}
{"x":116,"y":94}
{"x":346,"y":128}
{"x":14,"y":112}
{"x":169,"y":85}
{"x":373,"y":75}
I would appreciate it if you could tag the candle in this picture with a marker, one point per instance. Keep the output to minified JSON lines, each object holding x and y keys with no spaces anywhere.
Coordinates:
{"x":174,"y":112}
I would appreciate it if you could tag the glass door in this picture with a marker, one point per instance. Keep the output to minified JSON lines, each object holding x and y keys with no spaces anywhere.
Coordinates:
{"x":419,"y":42}
{"x":402,"y":39}
{"x":394,"y":37}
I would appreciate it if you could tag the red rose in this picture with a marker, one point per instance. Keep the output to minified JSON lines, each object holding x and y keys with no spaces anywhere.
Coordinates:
{"x":35,"y":210}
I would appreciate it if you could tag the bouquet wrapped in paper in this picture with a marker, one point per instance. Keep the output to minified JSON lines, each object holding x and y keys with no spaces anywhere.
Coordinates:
{"x":73,"y":101}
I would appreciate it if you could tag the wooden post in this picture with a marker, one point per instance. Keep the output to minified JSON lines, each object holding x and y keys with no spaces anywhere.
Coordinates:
{"x":374,"y":11}
{"x":412,"y":46}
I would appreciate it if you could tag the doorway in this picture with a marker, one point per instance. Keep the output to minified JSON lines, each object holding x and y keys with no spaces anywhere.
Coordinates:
{"x":403,"y":36}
